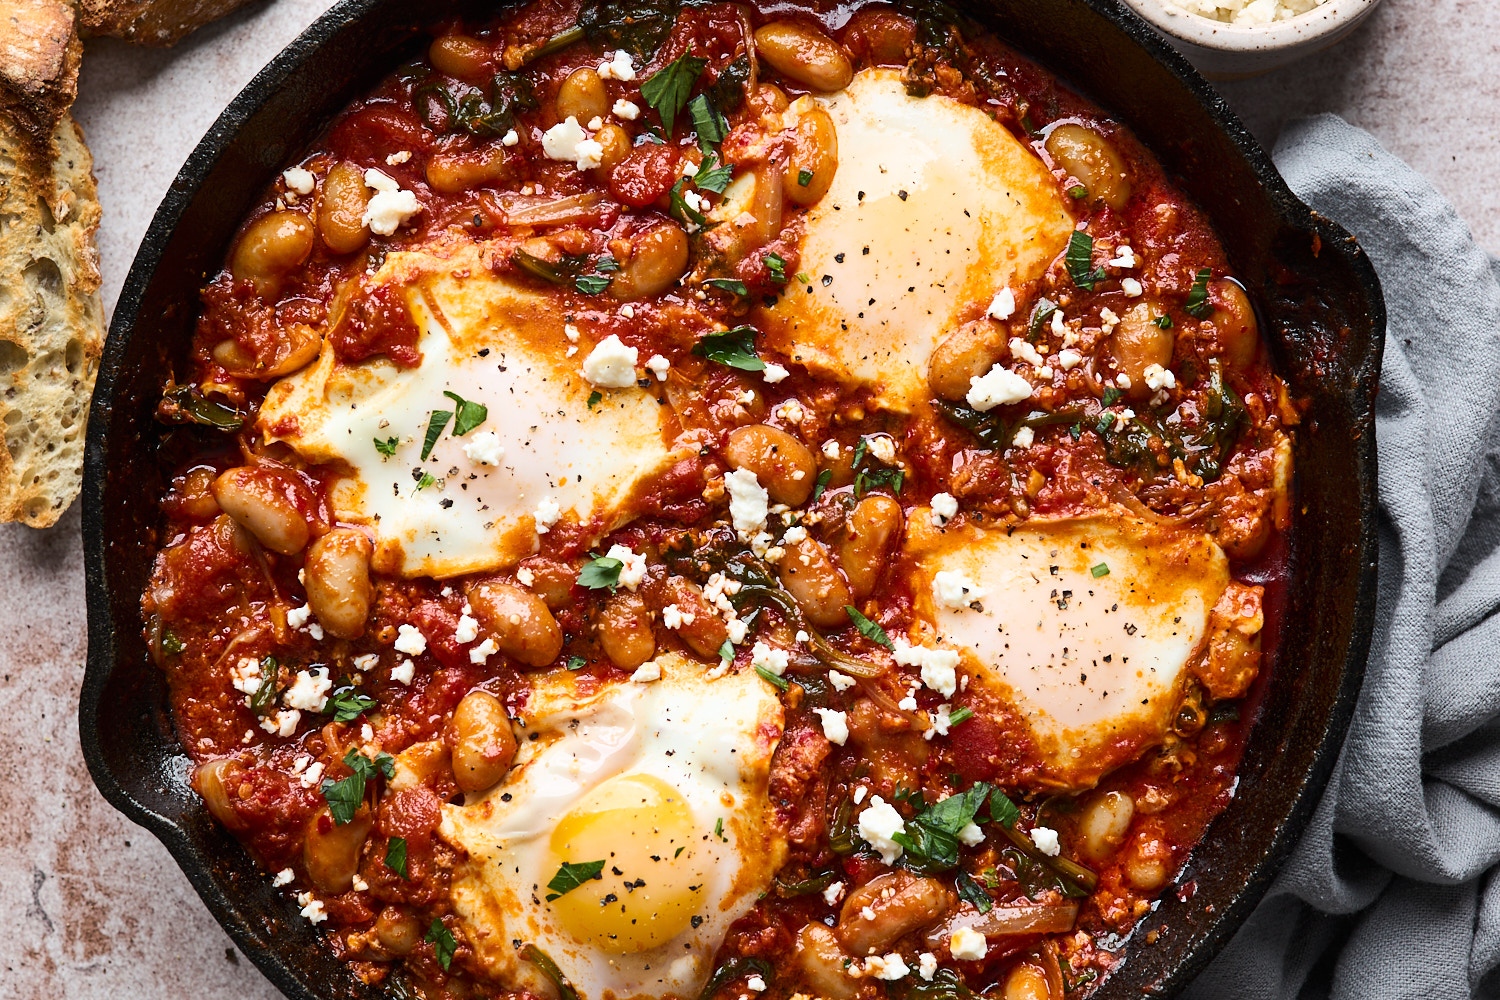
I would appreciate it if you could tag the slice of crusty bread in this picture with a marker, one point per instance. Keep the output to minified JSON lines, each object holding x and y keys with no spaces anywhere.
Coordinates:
{"x":150,"y":22}
{"x":51,"y":319}
{"x":39,"y":55}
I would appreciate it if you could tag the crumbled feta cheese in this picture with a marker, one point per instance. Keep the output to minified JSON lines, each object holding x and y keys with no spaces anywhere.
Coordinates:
{"x":312,"y":908}
{"x":283,"y":877}
{"x":309,"y":691}
{"x":1003,"y":305}
{"x":297,"y":617}
{"x":567,"y":141}
{"x":282,"y":722}
{"x":1058,"y":330}
{"x":1024,"y":437}
{"x":1131,"y":287}
{"x":403,"y":672}
{"x":769,"y":658}
{"x":693,"y":200}
{"x":673,"y":617}
{"x":907,"y":704}
{"x":882,"y":447}
{"x":360,"y":885}
{"x":483,"y":651}
{"x":571,"y":332}
{"x":835,"y":725}
{"x":398,"y":158}
{"x":774,"y":373}
{"x":367,"y":661}
{"x":831,"y":894}
{"x":313,"y":775}
{"x":944,"y":509}
{"x":596,"y":123}
{"x":298,"y":180}
{"x":626,"y":110}
{"x":1069,"y":359}
{"x":1124,"y":417}
{"x":794,"y":535}
{"x":878,"y":823}
{"x":547,"y":514}
{"x":1122,"y":380}
{"x":1124,"y":257}
{"x":954,"y":590}
{"x":647,"y":672}
{"x":1108,"y":317}
{"x":1045,"y":839}
{"x":840,"y":681}
{"x":410,"y":640}
{"x":791,"y":411}
{"x":511,"y":138}
{"x":971,"y":835}
{"x":484,"y":448}
{"x":756,"y":984}
{"x":525,"y":577}
{"x":889,"y":968}
{"x":1044,"y":372}
{"x":830,"y":449}
{"x":1158,"y":378}
{"x":467,"y":630}
{"x":927,"y":965}
{"x":246,"y":676}
{"x":632,"y":565}
{"x":968,"y":945}
{"x":1023,"y":351}
{"x":737,"y":630}
{"x":860,"y":792}
{"x":619,"y":67}
{"x":659,"y":366}
{"x":749,"y":503}
{"x":611,"y":365}
{"x":390,"y":207}
{"x":998,"y":387}
{"x":939,"y":666}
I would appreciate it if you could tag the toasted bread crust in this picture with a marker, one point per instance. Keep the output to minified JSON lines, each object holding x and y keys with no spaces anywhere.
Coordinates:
{"x":39,"y":56}
{"x":51,"y":318}
{"x":150,"y":22}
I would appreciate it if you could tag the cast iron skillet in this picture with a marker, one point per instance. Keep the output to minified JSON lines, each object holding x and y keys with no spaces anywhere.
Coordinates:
{"x":1317,"y":294}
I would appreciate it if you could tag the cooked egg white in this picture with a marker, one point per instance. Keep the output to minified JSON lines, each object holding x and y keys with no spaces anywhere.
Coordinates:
{"x":489,"y":341}
{"x":665,"y":782}
{"x":1085,"y":627}
{"x":933,"y":209}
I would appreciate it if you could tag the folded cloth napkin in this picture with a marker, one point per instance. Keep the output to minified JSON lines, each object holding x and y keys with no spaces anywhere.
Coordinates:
{"x":1394,"y":890}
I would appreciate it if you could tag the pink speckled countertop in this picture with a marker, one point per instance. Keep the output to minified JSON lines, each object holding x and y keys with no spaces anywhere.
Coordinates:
{"x":98,"y":909}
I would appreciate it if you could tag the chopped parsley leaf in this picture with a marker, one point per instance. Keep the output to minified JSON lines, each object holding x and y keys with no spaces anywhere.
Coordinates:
{"x":726,"y":651}
{"x":570,"y":876}
{"x":779,"y":683}
{"x":1045,"y":307}
{"x":435,"y":425}
{"x":577,"y":663}
{"x":1101,"y":569}
{"x":972,"y":892}
{"x":960,"y":715}
{"x":1079,"y":256}
{"x":594,"y":398}
{"x":823,"y":478}
{"x":395,"y":856}
{"x":603,"y":572}
{"x":776,"y":264}
{"x":1164,"y":321}
{"x":467,"y":415}
{"x":425,"y":481}
{"x":708,"y":122}
{"x":719,"y":829}
{"x":170,"y":644}
{"x":607,"y":264}
{"x":1002,"y":809}
{"x":442,"y":941}
{"x":348,"y":704}
{"x":1197,"y":304}
{"x":386,"y":447}
{"x":931,"y":837}
{"x":870,"y":630}
{"x":804,"y":178}
{"x":1078,"y":191}
{"x":802,"y":277}
{"x":683,"y":211}
{"x":1111,"y":396}
{"x":666,"y":91}
{"x":591,"y":284}
{"x":730,"y":285}
{"x":734,"y":348}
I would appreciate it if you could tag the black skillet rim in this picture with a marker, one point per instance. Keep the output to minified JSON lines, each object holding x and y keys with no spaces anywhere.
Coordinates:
{"x":186,"y":186}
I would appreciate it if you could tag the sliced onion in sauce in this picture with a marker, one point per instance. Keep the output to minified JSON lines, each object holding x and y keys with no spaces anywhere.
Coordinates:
{"x":1007,"y":921}
{"x":532,"y":210}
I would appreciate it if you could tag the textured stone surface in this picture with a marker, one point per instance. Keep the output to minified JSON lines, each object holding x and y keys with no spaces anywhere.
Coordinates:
{"x":97,"y":910}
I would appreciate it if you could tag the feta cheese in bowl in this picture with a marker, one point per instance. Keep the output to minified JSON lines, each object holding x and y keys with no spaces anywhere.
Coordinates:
{"x":1230,"y":39}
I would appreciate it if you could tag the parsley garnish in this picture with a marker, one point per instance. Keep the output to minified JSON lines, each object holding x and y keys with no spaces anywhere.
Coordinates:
{"x":731,"y":285}
{"x":931,"y":838}
{"x":435,"y":425}
{"x":803,"y":278}
{"x":602,"y":572}
{"x":667,"y":90}
{"x":959,"y":716}
{"x":734,"y":348}
{"x":594,"y":397}
{"x":804,"y":178}
{"x":869,"y":479}
{"x":348,"y":704}
{"x":719,"y":829}
{"x":425,"y":481}
{"x":972,"y":892}
{"x":682,"y":210}
{"x":1078,"y":258}
{"x":726,"y":651}
{"x":345,"y":797}
{"x":707,"y":122}
{"x":265,"y":694}
{"x":779,"y":683}
{"x":712,"y":177}
{"x":467,"y":415}
{"x":823,"y":478}
{"x":442,"y":941}
{"x":386,"y":447}
{"x":1002,"y":809}
{"x":1101,"y":569}
{"x":170,"y":644}
{"x":870,"y":630}
{"x":577,"y":663}
{"x":591,"y":284}
{"x":395,"y":856}
{"x":607,"y":264}
{"x":1164,"y":321}
{"x":1111,"y":395}
{"x":776,"y":264}
{"x":570,"y":876}
{"x":1197,"y":304}
{"x":1045,"y":307}
{"x":1078,"y":191}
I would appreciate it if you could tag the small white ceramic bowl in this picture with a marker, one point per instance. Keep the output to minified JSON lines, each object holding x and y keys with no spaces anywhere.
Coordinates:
{"x":1223,"y":51}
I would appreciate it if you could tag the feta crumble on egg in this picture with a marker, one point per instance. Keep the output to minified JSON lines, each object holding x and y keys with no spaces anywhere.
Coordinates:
{"x":298,"y":180}
{"x":611,"y":365}
{"x":968,"y":945}
{"x":632,"y":565}
{"x":1003,"y":305}
{"x":749,"y":503}
{"x":647,"y":672}
{"x":939,"y":666}
{"x":390,"y":207}
{"x":954,"y":590}
{"x":944,"y":509}
{"x":835,"y":725}
{"x":484,"y":448}
{"x":998,"y":387}
{"x":1045,"y":839}
{"x":878,"y":823}
{"x":547,"y":514}
{"x":769,"y":658}
{"x":410,"y":640}
{"x":659,"y":366}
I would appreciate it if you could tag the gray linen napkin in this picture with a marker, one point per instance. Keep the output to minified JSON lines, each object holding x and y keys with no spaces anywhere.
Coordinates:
{"x":1394,"y":891}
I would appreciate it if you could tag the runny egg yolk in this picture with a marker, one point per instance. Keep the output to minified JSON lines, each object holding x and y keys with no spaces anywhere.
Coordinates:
{"x":652,"y":885}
